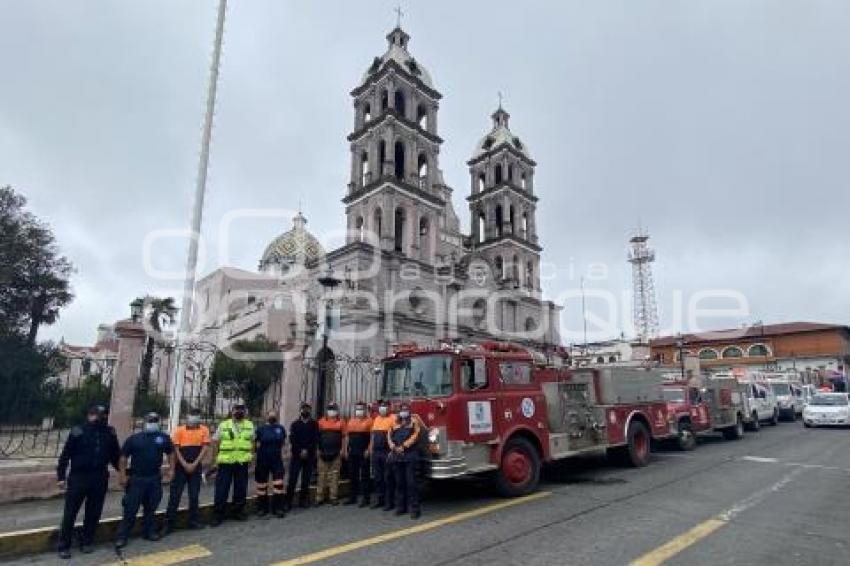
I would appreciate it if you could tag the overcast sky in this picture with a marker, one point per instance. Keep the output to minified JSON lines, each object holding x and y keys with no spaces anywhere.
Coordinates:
{"x":721,"y":126}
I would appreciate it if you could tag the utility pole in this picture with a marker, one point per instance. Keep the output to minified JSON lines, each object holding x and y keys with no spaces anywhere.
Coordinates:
{"x":197,"y":217}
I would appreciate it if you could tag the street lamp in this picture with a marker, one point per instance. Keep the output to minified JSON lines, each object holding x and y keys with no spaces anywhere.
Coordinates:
{"x":328,"y":283}
{"x":136,"y":308}
{"x":680,"y":344}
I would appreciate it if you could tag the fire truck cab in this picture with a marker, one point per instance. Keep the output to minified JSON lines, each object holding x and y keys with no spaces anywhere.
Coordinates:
{"x":504,"y":409}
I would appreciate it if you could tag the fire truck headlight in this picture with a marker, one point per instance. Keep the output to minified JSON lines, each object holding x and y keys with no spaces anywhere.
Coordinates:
{"x":434,"y":436}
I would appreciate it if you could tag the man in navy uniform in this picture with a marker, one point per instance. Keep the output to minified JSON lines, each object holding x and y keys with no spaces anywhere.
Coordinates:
{"x":143,"y":485}
{"x":89,"y":450}
{"x":270,"y":440}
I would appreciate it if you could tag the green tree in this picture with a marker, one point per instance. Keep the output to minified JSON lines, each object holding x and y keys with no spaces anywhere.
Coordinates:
{"x":76,"y":401}
{"x":158,"y":313}
{"x":28,"y":389}
{"x":246,"y":379}
{"x":34,"y":276}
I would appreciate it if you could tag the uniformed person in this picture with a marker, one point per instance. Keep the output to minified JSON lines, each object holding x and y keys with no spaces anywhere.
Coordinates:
{"x":89,"y":449}
{"x":270,"y":440}
{"x":331,"y":439}
{"x":304,"y":440}
{"x":403,"y":441}
{"x":191,"y":442}
{"x":143,"y":483}
{"x":233,"y":454}
{"x":384,"y":482}
{"x":356,"y":451}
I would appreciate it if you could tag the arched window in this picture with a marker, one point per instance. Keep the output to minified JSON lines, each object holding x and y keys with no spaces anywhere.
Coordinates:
{"x":530,"y":324}
{"x":500,"y":267}
{"x":399,"y":229}
{"x":708,"y":354}
{"x":367,"y":112}
{"x":529,"y":275}
{"x":522,"y":181}
{"x":525,"y":225}
{"x":382,"y":156}
{"x":510,"y":172}
{"x":377,"y":218}
{"x":733,"y":352}
{"x":758,"y":350}
{"x":424,"y":239}
{"x":385,"y":99}
{"x":422,"y":165}
{"x":499,"y":221}
{"x":512,"y":218}
{"x":399,"y":160}
{"x":359,"y":226}
{"x":600,"y":360}
{"x":365,"y":174}
{"x":479,"y":311}
{"x":515,"y":270}
{"x":612,"y":359}
{"x":482,"y":227}
{"x":398,"y":99}
{"x":482,"y":182}
{"x":497,"y":173}
{"x":422,"y":116}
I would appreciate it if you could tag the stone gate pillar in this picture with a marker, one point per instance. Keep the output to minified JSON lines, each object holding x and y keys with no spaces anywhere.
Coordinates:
{"x":131,"y":345}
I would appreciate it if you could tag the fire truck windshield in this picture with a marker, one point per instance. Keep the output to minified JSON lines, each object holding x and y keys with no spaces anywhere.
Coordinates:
{"x":674,"y":395}
{"x":423,"y":376}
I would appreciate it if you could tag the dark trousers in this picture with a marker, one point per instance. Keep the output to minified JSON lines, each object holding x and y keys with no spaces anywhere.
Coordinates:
{"x":269,"y":467}
{"x":88,"y":488}
{"x":237,"y":476}
{"x":359,"y":472}
{"x":384,"y":478}
{"x":180,"y":481}
{"x":407,"y":491}
{"x":144,"y":492}
{"x":305,"y":469}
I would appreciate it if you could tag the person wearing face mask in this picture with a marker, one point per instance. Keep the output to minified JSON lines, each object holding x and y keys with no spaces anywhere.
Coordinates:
{"x":303,"y":439}
{"x":191,"y":442}
{"x":403,"y":442}
{"x":143,"y":482}
{"x":331,"y":441}
{"x":379,"y":449}
{"x":270,"y":440}
{"x":233,"y":454}
{"x":89,"y":450}
{"x":356,"y":451}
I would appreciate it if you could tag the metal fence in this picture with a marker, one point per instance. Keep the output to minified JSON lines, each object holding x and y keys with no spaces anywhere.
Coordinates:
{"x":347,"y":380}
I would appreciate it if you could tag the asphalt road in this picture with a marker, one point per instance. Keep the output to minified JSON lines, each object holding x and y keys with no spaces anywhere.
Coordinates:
{"x":776,"y":497}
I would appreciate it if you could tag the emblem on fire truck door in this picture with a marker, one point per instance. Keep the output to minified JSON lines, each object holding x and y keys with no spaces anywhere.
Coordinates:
{"x":480,"y":417}
{"x":527,"y":407}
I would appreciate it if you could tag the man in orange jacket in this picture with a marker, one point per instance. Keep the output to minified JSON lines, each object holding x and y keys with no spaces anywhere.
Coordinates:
{"x":331,"y":441}
{"x":379,"y":448}
{"x":358,"y":431}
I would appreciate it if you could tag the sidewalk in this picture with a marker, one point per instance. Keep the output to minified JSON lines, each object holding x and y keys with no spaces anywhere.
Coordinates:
{"x":48,"y":512}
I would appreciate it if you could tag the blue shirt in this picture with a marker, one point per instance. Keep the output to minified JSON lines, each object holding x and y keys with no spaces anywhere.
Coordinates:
{"x":270,"y":439}
{"x":145,"y":451}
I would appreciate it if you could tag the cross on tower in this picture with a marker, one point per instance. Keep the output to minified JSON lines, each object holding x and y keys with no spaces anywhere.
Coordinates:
{"x":499,"y":93}
{"x":398,"y":14}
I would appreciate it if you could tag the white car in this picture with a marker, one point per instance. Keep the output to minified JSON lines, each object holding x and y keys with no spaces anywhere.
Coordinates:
{"x":827,"y":409}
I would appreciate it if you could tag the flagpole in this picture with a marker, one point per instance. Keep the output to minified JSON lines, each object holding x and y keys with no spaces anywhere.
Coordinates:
{"x":197,"y":217}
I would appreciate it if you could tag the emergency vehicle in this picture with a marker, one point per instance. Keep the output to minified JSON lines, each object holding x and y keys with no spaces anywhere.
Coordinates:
{"x":503,"y":409}
{"x":706,"y":405}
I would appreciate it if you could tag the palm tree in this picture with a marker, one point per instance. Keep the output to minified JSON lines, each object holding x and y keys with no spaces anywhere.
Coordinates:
{"x":158,"y":313}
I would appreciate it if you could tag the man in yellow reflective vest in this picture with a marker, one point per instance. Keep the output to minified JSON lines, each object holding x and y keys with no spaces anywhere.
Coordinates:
{"x":233,"y":454}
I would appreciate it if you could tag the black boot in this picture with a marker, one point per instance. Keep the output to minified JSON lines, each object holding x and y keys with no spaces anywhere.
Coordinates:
{"x":278,"y":506}
{"x":379,"y":503}
{"x":262,"y":505}
{"x":365,"y":502}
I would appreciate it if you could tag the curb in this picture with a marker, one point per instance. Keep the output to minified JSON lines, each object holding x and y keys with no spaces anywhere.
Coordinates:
{"x":16,"y":544}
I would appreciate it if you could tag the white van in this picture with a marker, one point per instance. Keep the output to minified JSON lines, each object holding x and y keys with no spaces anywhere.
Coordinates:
{"x":789,"y":404}
{"x":763,"y":405}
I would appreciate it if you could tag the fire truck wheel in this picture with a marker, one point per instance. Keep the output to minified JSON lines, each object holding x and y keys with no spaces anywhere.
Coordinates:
{"x":637,"y":445}
{"x":687,"y":440}
{"x":520,"y":470}
{"x":735,"y":432}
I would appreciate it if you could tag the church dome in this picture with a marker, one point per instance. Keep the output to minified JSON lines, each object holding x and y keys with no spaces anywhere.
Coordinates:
{"x":295,"y":246}
{"x":397,"y":51}
{"x":500,"y":134}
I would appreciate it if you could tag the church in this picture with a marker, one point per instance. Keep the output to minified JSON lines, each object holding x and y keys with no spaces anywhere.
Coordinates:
{"x":408,"y":272}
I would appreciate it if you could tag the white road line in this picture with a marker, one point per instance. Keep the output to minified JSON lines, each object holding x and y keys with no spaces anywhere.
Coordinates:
{"x":759,"y":459}
{"x":758,"y":496}
{"x":762,"y":460}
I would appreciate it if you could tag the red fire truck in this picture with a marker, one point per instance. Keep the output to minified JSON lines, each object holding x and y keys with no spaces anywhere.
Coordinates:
{"x":503,"y":409}
{"x":710,"y":405}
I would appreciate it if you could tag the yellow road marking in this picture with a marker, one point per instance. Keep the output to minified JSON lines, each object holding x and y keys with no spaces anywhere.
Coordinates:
{"x":430,"y":525}
{"x":166,"y":557}
{"x":678,"y":544}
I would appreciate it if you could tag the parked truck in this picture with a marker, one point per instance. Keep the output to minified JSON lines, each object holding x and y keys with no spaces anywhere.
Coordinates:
{"x":706,"y":405}
{"x":502,"y":409}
